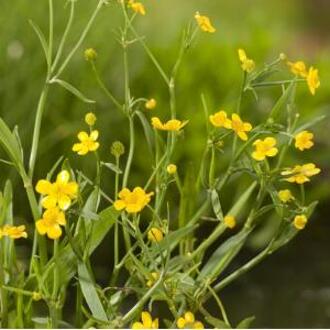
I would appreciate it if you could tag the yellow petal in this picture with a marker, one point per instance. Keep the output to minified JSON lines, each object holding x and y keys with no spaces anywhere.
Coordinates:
{"x":137,"y":325}
{"x":94,"y":135}
{"x":54,"y":232}
{"x":49,"y":202}
{"x":63,"y":177}
{"x":146,"y":320}
{"x":44,"y":187}
{"x":82,"y":136}
{"x":41,"y":228}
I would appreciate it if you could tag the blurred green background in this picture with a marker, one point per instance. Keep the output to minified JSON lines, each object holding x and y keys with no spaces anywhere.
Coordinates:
{"x":292,"y":288}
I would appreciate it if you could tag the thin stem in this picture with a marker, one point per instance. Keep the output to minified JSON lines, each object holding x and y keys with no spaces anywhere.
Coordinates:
{"x":51,"y":35}
{"x":3,"y":293}
{"x":275,"y":83}
{"x":81,"y":39}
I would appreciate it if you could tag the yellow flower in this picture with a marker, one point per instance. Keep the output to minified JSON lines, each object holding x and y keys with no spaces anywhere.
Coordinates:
{"x":155,"y":234}
{"x":13,"y":232}
{"x":151,"y":104}
{"x":151,"y":281}
{"x":51,"y":223}
{"x":90,"y":119}
{"x":147,"y":322}
{"x":171,"y":125}
{"x":285,"y":195}
{"x":87,"y":143}
{"x":300,"y":221}
{"x":303,"y":140}
{"x":188,"y":322}
{"x":137,"y":7}
{"x":313,"y":80}
{"x":60,"y":193}
{"x":301,"y":173}
{"x":171,"y":169}
{"x":132,"y":201}
{"x":230,"y":221}
{"x":90,"y":54}
{"x":264,"y":148}
{"x":298,"y":68}
{"x":240,"y":127}
{"x":204,"y":23}
{"x":247,"y":64}
{"x":220,"y":119}
{"x":36,"y":296}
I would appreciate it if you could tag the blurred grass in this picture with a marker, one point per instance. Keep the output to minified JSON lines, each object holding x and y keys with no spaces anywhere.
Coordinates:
{"x":264,"y":28}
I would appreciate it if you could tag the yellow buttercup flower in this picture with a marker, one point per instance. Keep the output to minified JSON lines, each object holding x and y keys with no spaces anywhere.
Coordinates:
{"x":87,"y":143}
{"x":151,"y":104}
{"x":132,"y":201}
{"x":247,"y":64}
{"x":137,"y":7}
{"x":204,"y":23}
{"x":303,"y":140}
{"x":172,"y":125}
{"x":51,"y":223}
{"x":60,"y":193}
{"x":300,"y":221}
{"x":301,"y":173}
{"x":188,"y":322}
{"x":264,"y":148}
{"x":151,"y":281}
{"x":219,"y":119}
{"x":147,"y":322}
{"x":90,"y":54}
{"x":230,"y":221}
{"x":13,"y":232}
{"x":313,"y":80}
{"x":155,"y":234}
{"x":90,"y":119}
{"x":171,"y":169}
{"x":240,"y":127}
{"x":285,"y":195}
{"x":298,"y":68}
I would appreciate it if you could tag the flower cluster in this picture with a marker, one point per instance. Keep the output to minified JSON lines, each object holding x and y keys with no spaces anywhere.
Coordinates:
{"x":57,"y":198}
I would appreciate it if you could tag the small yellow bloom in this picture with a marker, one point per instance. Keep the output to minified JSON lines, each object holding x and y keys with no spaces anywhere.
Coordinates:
{"x":204,"y":23}
{"x":132,"y":201}
{"x":36,"y":296}
{"x":220,"y":119}
{"x":300,"y":221}
{"x":51,"y":223}
{"x":87,"y":143}
{"x":264,"y":148}
{"x":151,"y":104}
{"x":137,"y":7}
{"x":90,"y":119}
{"x":313,"y":80}
{"x":147,"y":322}
{"x":13,"y":232}
{"x":171,"y":169}
{"x":301,"y":173}
{"x":60,"y":193}
{"x":303,"y":140}
{"x":240,"y":127}
{"x":171,"y":125}
{"x":230,"y":221}
{"x":151,"y":281}
{"x":188,"y":322}
{"x":155,"y":234}
{"x":247,"y":64}
{"x":90,"y":54}
{"x":298,"y":68}
{"x":285,"y":195}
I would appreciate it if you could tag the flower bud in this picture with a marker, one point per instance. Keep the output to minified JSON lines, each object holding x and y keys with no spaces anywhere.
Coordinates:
{"x":90,"y":54}
{"x":151,"y":104}
{"x":155,"y":235}
{"x":36,"y":296}
{"x":117,"y":149}
{"x":90,"y":119}
{"x":283,"y":57}
{"x":171,"y":169}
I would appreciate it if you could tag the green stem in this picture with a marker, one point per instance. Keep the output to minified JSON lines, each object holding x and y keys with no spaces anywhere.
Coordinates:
{"x":276,"y":83}
{"x":3,"y":293}
{"x":51,"y":35}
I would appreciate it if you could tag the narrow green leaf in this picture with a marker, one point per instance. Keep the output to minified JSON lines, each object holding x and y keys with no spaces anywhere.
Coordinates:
{"x":310,"y":123}
{"x":42,"y":40}
{"x":246,"y":323}
{"x":112,"y":167}
{"x":283,"y":100}
{"x":238,"y":206}
{"x":148,"y":132}
{"x":90,"y":293}
{"x":72,"y":90}
{"x":218,"y":324}
{"x":223,"y":255}
{"x":216,"y":205}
